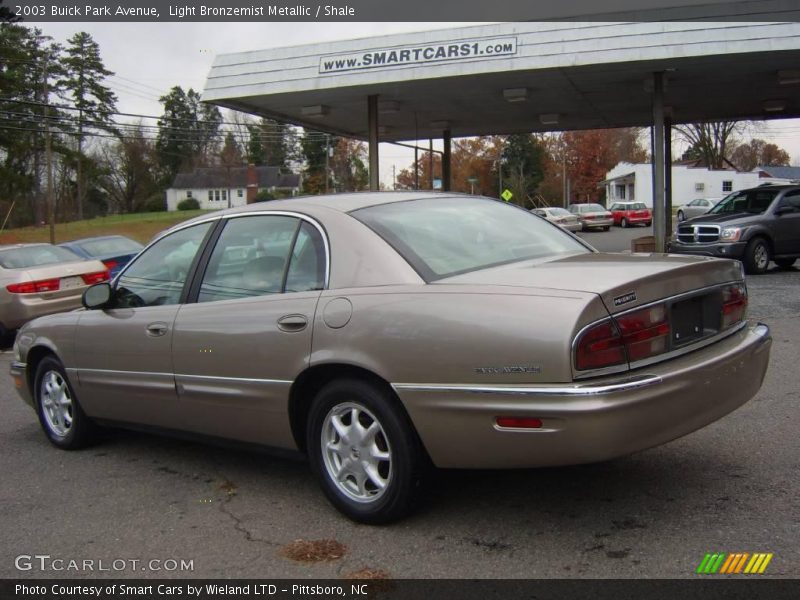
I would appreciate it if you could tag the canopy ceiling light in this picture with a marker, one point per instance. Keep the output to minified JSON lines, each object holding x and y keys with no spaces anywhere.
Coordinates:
{"x":774,"y":105}
{"x":549,"y":119}
{"x":788,"y":77}
{"x":317,"y":110}
{"x":515,"y":94}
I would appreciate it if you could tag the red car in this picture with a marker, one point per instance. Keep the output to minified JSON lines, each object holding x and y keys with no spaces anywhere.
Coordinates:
{"x":631,"y":213}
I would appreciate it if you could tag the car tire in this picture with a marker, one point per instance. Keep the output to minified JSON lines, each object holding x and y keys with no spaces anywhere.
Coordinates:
{"x":373,"y":472}
{"x":756,"y":256}
{"x":60,"y":414}
{"x":785,"y":263}
{"x":681,"y":216}
{"x":648,"y":224}
{"x":623,"y":223}
{"x":606,"y":228}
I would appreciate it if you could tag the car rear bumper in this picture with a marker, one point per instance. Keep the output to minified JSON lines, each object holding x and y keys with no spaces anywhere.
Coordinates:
{"x":588,"y":422}
{"x":719,"y":250}
{"x":598,"y":223}
{"x":26,"y":307}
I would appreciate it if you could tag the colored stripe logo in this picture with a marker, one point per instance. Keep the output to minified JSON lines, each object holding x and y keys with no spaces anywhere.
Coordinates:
{"x":734,"y":563}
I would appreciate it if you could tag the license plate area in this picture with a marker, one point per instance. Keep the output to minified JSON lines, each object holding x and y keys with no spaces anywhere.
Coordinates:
{"x":694,"y":319}
{"x":70,"y":283}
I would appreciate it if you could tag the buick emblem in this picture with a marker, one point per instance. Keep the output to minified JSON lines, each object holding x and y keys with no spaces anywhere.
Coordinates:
{"x":696,"y":230}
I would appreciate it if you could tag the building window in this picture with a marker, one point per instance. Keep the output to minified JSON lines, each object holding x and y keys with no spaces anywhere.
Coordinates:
{"x":224,"y":195}
{"x":727,"y":186}
{"x":188,"y":193}
{"x":240,"y":193}
{"x":620,"y":192}
{"x":216,"y":195}
{"x":210,"y":195}
{"x":699,"y":187}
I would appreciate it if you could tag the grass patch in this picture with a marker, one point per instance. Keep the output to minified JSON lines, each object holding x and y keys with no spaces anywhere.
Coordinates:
{"x":138,"y":226}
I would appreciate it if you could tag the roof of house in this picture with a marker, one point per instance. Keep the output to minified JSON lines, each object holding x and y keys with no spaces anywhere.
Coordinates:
{"x":234,"y":177}
{"x":781,"y":172}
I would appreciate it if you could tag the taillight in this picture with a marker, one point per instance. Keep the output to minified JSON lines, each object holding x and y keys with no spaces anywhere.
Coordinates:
{"x":645,"y":332}
{"x":92,"y":278}
{"x":734,"y":305}
{"x":599,"y":346}
{"x":33,"y":287}
{"x":110,"y":264}
{"x":628,"y":338}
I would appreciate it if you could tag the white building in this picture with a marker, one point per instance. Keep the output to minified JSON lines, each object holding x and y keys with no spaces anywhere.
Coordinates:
{"x":629,"y":182}
{"x":223,"y":187}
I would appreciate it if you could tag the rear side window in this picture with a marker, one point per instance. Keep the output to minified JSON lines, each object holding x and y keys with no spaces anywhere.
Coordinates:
{"x":261,"y":255}
{"x":108,"y":246}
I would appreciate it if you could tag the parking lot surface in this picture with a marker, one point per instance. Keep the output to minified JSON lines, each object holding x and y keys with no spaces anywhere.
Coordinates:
{"x":731,"y":487}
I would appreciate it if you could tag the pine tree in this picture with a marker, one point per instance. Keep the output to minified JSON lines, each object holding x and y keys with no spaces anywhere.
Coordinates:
{"x":96,"y":104}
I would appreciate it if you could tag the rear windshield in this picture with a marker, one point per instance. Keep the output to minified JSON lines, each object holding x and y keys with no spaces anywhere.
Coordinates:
{"x":747,"y":201}
{"x":35,"y":256}
{"x":591,"y":208}
{"x":109,"y":246}
{"x":442,"y":237}
{"x":559,"y":212}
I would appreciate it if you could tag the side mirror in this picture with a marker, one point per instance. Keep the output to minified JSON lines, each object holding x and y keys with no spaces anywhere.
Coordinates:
{"x":97,"y":296}
{"x":782,"y":210}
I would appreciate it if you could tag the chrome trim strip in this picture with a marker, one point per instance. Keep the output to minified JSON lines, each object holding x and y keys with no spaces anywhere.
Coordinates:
{"x":18,"y":367}
{"x":186,"y":376}
{"x":528,"y":390}
{"x":242,"y":379}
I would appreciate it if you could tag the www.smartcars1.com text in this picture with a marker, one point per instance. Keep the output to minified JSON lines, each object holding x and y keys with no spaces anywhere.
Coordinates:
{"x":184,"y":11}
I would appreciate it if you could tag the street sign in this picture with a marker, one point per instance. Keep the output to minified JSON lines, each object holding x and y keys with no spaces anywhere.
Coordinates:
{"x":507,"y":195}
{"x":472,"y":180}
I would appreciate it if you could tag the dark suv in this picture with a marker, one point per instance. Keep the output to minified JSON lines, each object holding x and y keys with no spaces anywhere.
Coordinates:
{"x":755,"y":226}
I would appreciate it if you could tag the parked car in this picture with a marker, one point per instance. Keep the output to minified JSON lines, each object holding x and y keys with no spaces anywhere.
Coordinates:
{"x":392,"y":331}
{"x":631,"y":213}
{"x":695,"y":208}
{"x":559,"y":216}
{"x":114,"y":251}
{"x":592,"y":216}
{"x":755,"y":226}
{"x":40,"y":279}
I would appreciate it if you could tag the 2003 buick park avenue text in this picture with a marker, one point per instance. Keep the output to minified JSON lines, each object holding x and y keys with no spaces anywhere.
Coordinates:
{"x":386,"y":334}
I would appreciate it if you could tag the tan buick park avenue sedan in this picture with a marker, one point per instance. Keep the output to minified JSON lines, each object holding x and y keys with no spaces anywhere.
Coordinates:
{"x":383,"y":333}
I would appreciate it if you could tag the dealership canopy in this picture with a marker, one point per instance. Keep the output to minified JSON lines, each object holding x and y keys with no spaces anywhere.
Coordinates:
{"x":519,"y":77}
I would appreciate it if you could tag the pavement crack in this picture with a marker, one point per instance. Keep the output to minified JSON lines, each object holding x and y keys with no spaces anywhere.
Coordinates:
{"x":238,"y":525}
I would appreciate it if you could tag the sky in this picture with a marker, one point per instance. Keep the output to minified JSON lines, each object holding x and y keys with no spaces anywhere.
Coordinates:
{"x":150,"y":58}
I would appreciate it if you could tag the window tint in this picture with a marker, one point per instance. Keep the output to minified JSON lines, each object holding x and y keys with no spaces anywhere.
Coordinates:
{"x":250,"y":258}
{"x":753,"y":201}
{"x":157,"y":276}
{"x":441,"y":237}
{"x":792,"y":199}
{"x":307,"y":268}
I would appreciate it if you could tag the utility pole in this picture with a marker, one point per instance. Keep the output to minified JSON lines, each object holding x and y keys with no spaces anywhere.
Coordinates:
{"x":394,"y":177}
{"x":51,"y":211}
{"x":327,"y":153}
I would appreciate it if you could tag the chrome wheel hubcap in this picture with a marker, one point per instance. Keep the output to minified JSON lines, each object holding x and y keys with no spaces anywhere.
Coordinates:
{"x":761,"y":257}
{"x":356,"y":453}
{"x":56,"y":403}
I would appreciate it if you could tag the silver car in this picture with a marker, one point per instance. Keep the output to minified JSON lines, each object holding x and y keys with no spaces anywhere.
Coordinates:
{"x":696,"y":207}
{"x":383,"y":333}
{"x":559,"y":216}
{"x":40,"y":279}
{"x":592,"y":216}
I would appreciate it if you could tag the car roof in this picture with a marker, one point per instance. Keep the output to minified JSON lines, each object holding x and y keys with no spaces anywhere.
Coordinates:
{"x":339,"y":202}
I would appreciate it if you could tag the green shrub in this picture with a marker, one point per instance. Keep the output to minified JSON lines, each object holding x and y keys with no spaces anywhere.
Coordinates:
{"x":264,"y":196}
{"x":188,"y":204}
{"x":154,"y":203}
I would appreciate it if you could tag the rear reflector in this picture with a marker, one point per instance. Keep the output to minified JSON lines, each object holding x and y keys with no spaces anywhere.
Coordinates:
{"x":92,"y":278}
{"x":33,"y":287}
{"x":519,"y":422}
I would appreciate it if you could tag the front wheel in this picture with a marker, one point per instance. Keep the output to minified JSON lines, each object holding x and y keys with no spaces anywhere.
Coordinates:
{"x":681,"y":216}
{"x":365,"y":452}
{"x":623,"y":223}
{"x":756,"y":256}
{"x":60,"y":415}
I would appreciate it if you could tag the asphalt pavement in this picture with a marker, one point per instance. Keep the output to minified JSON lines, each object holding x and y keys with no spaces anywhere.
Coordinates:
{"x":731,"y":487}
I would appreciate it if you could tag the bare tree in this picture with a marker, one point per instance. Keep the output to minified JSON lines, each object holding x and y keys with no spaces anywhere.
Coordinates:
{"x":712,"y":143}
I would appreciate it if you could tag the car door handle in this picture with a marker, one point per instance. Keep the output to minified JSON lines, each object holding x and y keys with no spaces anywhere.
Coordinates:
{"x":156,"y":329}
{"x":291,"y":323}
